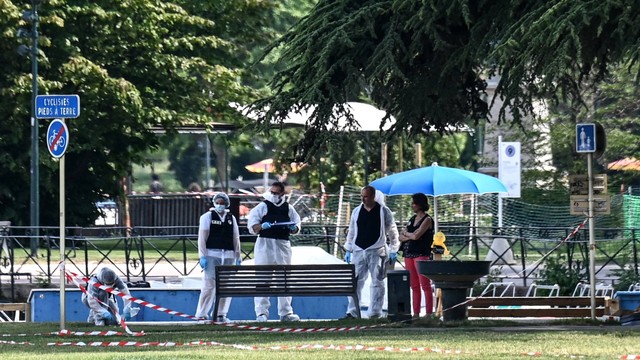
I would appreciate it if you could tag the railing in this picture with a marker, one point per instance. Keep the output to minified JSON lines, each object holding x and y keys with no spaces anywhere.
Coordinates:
{"x":144,"y":253}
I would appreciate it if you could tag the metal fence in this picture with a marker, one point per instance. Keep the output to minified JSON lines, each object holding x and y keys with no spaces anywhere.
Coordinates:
{"x":147,"y":253}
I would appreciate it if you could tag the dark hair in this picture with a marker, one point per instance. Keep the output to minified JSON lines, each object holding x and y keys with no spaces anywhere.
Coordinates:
{"x":370,"y":189}
{"x":420,"y":199}
{"x":279,"y":184}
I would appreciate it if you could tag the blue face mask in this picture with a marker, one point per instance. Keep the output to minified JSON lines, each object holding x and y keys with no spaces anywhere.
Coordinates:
{"x":220,"y":208}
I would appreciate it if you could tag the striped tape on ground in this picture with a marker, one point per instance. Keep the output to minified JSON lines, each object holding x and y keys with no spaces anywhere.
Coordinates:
{"x":247,"y":347}
{"x":11,"y":342}
{"x":119,"y":319}
{"x":76,"y":278}
{"x":69,"y":333}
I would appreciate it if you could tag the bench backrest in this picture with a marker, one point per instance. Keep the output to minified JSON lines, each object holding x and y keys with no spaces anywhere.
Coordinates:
{"x":289,"y":280}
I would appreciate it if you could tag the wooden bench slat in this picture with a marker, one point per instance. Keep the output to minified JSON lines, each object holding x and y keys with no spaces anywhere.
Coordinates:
{"x":570,"y":301}
{"x":13,"y":306}
{"x":528,"y":312}
{"x":19,"y":307}
{"x":553,"y":306}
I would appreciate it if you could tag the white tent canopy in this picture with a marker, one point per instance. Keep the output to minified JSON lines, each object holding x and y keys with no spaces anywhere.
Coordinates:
{"x":367,"y":117}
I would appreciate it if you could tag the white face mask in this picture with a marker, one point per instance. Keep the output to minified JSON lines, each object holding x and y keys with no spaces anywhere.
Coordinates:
{"x":276,"y":199}
{"x":220,"y":208}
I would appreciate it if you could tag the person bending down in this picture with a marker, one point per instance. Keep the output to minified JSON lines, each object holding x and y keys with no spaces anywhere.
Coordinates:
{"x":103,"y":305}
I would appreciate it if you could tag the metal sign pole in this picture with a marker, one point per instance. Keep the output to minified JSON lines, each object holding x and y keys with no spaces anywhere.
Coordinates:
{"x":592,"y":243}
{"x":62,"y":244}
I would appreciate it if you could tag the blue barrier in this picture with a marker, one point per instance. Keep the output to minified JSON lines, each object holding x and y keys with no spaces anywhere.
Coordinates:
{"x":45,"y":305}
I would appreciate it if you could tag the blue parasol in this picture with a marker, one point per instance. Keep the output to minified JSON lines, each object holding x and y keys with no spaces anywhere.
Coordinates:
{"x":437,"y":181}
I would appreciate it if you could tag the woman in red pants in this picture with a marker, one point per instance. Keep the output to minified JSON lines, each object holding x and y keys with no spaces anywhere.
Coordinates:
{"x":416,"y":245}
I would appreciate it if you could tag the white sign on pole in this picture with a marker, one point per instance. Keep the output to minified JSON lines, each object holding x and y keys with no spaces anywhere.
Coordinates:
{"x":580,"y":204}
{"x":509,"y":168}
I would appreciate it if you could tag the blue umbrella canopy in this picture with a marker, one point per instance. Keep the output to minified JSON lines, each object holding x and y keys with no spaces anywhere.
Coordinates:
{"x":437,"y":180}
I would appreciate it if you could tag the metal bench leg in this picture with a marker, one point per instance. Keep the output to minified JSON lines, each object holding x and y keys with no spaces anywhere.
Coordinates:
{"x":214,"y":315}
{"x":356,"y":301}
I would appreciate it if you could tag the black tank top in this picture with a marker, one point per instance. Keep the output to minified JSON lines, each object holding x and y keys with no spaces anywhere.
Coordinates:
{"x":419,"y":247}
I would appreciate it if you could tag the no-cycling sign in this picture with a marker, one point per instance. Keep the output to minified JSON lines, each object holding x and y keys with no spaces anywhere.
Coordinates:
{"x":57,"y":138}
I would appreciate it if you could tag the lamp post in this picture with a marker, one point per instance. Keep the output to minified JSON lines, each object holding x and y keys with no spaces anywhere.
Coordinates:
{"x":32,"y":16}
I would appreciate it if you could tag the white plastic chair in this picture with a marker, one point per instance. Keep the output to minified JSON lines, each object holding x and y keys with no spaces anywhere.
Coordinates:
{"x":634,"y":287}
{"x":554,"y":290}
{"x":493,"y":288}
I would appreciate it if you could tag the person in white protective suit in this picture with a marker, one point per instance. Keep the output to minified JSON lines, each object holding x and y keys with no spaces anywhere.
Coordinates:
{"x":366,"y":247}
{"x":103,"y":305}
{"x":273,"y":220}
{"x":218,"y":244}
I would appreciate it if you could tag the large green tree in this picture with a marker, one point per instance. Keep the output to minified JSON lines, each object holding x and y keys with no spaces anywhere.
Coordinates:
{"x":136,"y":64}
{"x":426,"y":62}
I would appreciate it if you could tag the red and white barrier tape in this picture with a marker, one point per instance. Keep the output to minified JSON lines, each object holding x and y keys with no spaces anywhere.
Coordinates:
{"x":88,"y":333}
{"x":253,"y":348}
{"x":572,"y":234}
{"x":4,"y":342}
{"x":75,"y":278}
{"x":119,"y":319}
{"x":630,"y":357}
{"x":69,"y":333}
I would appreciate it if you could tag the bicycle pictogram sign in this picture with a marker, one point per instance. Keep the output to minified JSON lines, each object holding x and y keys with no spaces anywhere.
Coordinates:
{"x":57,"y":138}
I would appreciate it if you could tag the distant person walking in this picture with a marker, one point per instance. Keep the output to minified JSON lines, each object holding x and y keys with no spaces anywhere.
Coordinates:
{"x":218,"y":244}
{"x":371,"y":224}
{"x":155,"y":186}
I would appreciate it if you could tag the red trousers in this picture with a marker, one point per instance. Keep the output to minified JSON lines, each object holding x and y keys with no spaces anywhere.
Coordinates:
{"x":417,"y":282}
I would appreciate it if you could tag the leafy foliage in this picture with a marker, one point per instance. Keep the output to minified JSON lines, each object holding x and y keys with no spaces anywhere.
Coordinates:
{"x":557,"y":271}
{"x":426,"y":62}
{"x":626,"y":277}
{"x":137,"y":65}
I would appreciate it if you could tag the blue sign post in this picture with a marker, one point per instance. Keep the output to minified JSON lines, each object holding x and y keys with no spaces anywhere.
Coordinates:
{"x":586,"y":143}
{"x":585,"y":138}
{"x":57,"y":138}
{"x":57,"y":106}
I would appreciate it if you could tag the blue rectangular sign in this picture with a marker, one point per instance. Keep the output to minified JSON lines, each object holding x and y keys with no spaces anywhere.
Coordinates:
{"x":585,"y":138}
{"x":57,"y":106}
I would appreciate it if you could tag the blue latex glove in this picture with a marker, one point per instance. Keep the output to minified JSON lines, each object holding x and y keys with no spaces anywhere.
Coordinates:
{"x":238,"y":262}
{"x":265,"y":225}
{"x":203,"y":262}
{"x":293,"y":228}
{"x":107,"y":315}
{"x":393,"y":257}
{"x":347,"y":257}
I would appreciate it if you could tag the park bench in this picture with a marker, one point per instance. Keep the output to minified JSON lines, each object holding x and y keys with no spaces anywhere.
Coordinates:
{"x":285,"y":280}
{"x":16,"y":308}
{"x":553,"y":306}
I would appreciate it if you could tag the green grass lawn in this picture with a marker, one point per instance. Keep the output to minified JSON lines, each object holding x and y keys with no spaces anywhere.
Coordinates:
{"x":474,"y":340}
